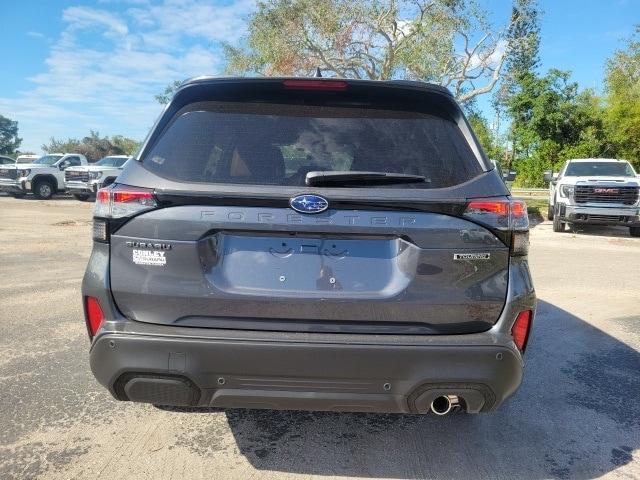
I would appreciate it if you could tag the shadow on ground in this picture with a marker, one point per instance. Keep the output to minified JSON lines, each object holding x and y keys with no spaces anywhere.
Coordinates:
{"x":598,"y":230}
{"x":575,"y":416}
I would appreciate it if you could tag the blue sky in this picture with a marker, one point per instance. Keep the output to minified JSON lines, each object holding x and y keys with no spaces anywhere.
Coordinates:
{"x":71,"y":66}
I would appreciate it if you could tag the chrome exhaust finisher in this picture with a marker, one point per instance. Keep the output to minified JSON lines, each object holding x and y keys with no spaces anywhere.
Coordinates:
{"x":444,"y":404}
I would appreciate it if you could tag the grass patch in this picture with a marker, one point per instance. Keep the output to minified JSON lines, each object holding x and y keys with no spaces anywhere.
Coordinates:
{"x":537,"y":206}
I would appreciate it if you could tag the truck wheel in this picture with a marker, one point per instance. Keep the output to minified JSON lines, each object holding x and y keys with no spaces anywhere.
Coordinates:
{"x":558,"y":226}
{"x":43,"y":190}
{"x":550,"y":212}
{"x":634,"y":231}
{"x":81,"y":196}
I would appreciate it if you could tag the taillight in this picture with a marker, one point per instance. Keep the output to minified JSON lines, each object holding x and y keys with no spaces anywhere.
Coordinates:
{"x":330,"y":85}
{"x":119,"y":201}
{"x":521,"y":329}
{"x":503,"y":214}
{"x":93,"y":315}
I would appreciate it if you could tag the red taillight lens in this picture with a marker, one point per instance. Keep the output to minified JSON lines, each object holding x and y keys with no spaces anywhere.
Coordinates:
{"x":504,"y":214}
{"x":521,"y":328}
{"x":330,"y":85}
{"x":117,"y":201}
{"x":499,"y":207}
{"x":94,"y":315}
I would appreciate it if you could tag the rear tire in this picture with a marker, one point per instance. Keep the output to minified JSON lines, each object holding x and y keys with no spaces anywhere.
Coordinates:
{"x":43,"y":190}
{"x":550,"y":212}
{"x":558,"y":226}
{"x":81,"y":196}
{"x":634,"y":231}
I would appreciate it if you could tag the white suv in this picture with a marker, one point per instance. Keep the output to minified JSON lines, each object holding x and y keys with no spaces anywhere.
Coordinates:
{"x":83,"y":182}
{"x":43,"y":177}
{"x":595,"y":191}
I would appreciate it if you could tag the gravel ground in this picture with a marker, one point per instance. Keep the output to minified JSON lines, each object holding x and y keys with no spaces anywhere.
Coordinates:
{"x":577,"y":414}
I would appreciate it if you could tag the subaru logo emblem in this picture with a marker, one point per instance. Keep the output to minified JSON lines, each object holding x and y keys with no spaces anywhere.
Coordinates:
{"x":309,"y":204}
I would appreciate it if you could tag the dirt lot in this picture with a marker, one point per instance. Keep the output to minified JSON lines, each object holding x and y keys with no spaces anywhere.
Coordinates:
{"x":577,"y":415}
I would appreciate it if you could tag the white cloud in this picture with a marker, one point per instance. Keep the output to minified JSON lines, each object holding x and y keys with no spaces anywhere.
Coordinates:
{"x":80,"y":18}
{"x":490,"y":57}
{"x":33,"y":34}
{"x":104,"y":69}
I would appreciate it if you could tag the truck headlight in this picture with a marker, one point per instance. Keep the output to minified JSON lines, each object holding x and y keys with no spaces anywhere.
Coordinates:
{"x":24,"y":173}
{"x":95,"y":175}
{"x":567,"y":190}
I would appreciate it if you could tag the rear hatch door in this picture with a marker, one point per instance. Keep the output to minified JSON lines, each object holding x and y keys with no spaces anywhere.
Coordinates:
{"x":225,"y":248}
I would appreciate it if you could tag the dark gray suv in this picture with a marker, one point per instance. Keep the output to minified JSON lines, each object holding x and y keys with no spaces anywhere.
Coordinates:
{"x":315,"y":244}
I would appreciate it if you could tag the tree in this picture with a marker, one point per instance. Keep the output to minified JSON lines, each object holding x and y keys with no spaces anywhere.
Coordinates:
{"x":448,"y":42}
{"x":622,"y":113}
{"x":524,"y":37}
{"x":554,"y":121}
{"x":9,"y":140}
{"x":486,"y":138}
{"x":127,"y":145}
{"x":165,"y":97}
{"x":93,"y":146}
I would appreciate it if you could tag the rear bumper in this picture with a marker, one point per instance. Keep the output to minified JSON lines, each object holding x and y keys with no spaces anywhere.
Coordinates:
{"x":626,"y":216}
{"x":304,"y":373}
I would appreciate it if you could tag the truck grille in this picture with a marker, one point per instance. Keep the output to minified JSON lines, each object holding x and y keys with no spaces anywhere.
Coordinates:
{"x":597,"y":194}
{"x":11,"y":173}
{"x":76,"y":176}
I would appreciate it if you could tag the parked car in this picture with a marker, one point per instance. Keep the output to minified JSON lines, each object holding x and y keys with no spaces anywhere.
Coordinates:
{"x":508,"y":177}
{"x":6,"y":160}
{"x":296,"y":244}
{"x":26,"y":158}
{"x":44,"y":177}
{"x":83,"y":182}
{"x":596,"y":191}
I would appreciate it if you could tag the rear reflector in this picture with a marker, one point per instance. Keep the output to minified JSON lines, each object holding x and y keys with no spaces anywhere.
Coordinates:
{"x":330,"y":85}
{"x":94,"y":315}
{"x":520,"y":330}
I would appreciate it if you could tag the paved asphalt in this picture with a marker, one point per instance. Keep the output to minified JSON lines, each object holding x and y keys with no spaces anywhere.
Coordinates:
{"x":577,"y":414}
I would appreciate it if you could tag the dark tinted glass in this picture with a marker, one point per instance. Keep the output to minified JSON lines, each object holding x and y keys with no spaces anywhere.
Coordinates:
{"x":111,"y":162}
{"x":280,"y":144}
{"x":603,"y":169}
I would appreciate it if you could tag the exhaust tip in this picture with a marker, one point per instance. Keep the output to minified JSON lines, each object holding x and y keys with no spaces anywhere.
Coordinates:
{"x":444,"y":404}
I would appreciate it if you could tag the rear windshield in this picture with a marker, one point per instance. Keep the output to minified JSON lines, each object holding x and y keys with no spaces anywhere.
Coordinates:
{"x":601,"y":169}
{"x":279,"y":144}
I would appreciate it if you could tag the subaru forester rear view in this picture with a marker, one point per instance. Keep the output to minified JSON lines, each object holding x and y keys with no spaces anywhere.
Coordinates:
{"x":313,"y":244}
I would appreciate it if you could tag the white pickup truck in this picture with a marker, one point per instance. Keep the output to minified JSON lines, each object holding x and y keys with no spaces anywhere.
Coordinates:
{"x":43,"y":177}
{"x":595,"y":191}
{"x":83,"y":182}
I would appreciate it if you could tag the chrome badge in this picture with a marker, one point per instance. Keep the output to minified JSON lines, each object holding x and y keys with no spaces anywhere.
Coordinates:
{"x":309,"y":203}
{"x":471,"y":256}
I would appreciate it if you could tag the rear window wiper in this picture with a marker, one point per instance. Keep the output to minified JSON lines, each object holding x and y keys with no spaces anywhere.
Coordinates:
{"x":345,"y":177}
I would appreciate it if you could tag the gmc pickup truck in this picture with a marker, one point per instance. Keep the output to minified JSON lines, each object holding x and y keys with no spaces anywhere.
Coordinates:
{"x":595,"y":191}
{"x":83,"y":182}
{"x":44,"y":177}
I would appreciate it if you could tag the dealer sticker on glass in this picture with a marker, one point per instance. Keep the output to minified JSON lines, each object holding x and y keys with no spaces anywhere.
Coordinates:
{"x":149,"y":257}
